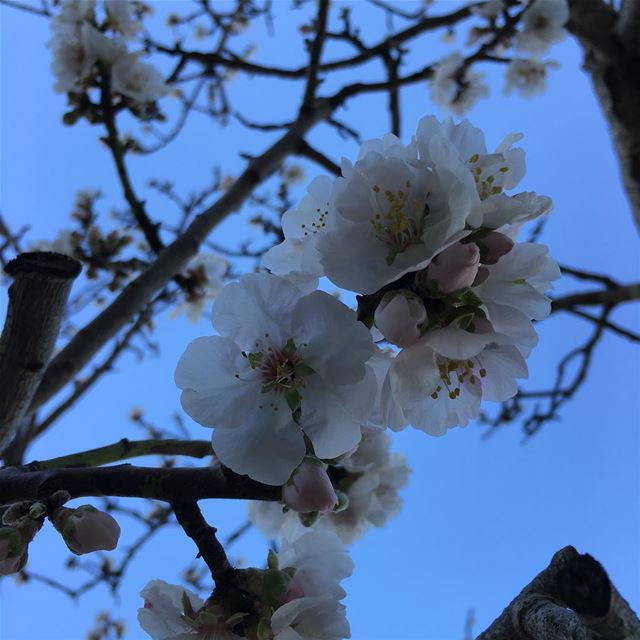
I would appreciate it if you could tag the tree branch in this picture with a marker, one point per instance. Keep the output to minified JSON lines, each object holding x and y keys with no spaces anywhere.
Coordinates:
{"x":37,"y":300}
{"x":314,"y":55}
{"x":307,"y":151}
{"x":125,"y":449}
{"x":610,"y":297}
{"x":612,"y":57}
{"x":572,"y":599}
{"x":169,"y":485}
{"x":190,"y":518}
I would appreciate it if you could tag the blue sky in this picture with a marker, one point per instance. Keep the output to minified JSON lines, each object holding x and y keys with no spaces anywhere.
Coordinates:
{"x":481,"y":516}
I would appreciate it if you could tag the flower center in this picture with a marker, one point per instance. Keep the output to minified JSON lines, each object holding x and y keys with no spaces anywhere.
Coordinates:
{"x":316,"y":225}
{"x":453,"y":374}
{"x":402,"y":224}
{"x":485,"y":183}
{"x":281,"y":371}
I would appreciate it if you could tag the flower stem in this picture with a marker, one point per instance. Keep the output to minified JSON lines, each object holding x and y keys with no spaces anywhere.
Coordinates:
{"x":124,"y":449}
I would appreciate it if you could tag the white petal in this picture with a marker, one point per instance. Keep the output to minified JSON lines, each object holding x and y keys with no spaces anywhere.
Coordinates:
{"x":267,"y":447}
{"x":212,"y":395}
{"x":258,"y":304}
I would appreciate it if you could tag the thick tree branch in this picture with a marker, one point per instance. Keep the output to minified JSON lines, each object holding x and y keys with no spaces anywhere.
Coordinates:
{"x":572,"y":599}
{"x":169,"y":485}
{"x":37,"y":300}
{"x":612,"y":58}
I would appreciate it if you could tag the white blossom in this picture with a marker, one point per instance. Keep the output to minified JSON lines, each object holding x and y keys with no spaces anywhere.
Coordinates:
{"x":312,"y":608}
{"x":542,"y":25}
{"x":164,"y":616}
{"x":372,"y":486}
{"x":297,"y":257}
{"x":519,"y":280}
{"x":374,"y":495}
{"x":76,"y":48}
{"x":492,"y":173}
{"x":490,"y":9}
{"x":72,"y":12}
{"x":440,"y":381}
{"x":527,"y":77}
{"x":121,"y":18}
{"x":209,"y":271}
{"x":393,"y":214}
{"x":286,"y":365}
{"x":137,"y":80}
{"x":456,"y":90}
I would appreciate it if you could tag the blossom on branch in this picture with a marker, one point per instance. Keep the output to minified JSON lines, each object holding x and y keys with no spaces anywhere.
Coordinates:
{"x":454,"y":87}
{"x":542,"y":25}
{"x":285,"y":368}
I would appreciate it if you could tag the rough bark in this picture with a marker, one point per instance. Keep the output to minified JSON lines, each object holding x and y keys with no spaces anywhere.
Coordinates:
{"x":37,"y":300}
{"x":572,"y":599}
{"x":611,"y":45}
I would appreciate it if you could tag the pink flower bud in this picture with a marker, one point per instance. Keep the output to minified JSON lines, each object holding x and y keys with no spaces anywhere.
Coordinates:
{"x":481,"y":276}
{"x":494,"y":245}
{"x":86,"y":529}
{"x":310,"y":489}
{"x":398,"y":317}
{"x":456,"y":267}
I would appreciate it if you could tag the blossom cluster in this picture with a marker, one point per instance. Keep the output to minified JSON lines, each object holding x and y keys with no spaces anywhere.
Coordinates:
{"x":296,"y":597}
{"x":84,"y":44}
{"x":300,"y":389}
{"x":456,"y":88}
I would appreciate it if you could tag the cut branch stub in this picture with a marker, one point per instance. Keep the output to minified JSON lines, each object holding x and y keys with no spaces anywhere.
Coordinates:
{"x":37,"y":300}
{"x":572,"y":599}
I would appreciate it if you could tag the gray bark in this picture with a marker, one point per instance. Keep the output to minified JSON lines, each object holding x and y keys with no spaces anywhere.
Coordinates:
{"x":37,"y":300}
{"x":572,"y":599}
{"x":611,"y":45}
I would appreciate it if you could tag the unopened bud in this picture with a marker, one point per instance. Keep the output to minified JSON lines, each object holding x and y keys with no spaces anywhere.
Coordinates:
{"x":399,"y":316}
{"x":493,"y":246}
{"x":481,"y":276}
{"x":456,"y":267}
{"x":86,"y":529}
{"x":310,"y":489}
{"x":13,"y":551}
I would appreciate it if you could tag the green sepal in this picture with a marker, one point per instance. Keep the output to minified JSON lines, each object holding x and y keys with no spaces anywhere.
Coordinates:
{"x":293,"y":400}
{"x":264,"y":629}
{"x":187,"y":607}
{"x":308,"y":519}
{"x":343,"y":502}
{"x":272,"y":559}
{"x":469,"y":298}
{"x":304,"y":369}
{"x":274,"y":585}
{"x":289,"y":348}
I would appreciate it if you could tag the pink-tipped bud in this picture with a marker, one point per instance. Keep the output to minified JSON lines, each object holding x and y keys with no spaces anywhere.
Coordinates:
{"x":493,"y":246}
{"x":86,"y":529}
{"x":399,"y":316}
{"x":310,"y":489}
{"x":456,"y":267}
